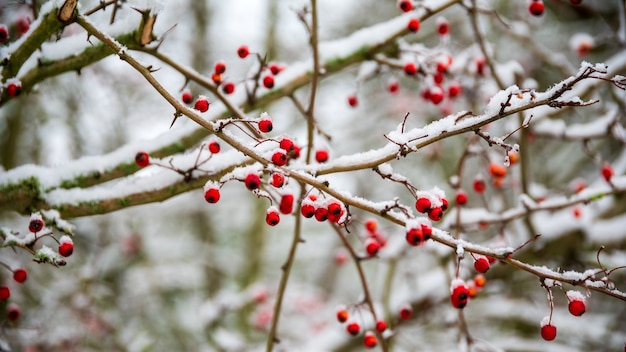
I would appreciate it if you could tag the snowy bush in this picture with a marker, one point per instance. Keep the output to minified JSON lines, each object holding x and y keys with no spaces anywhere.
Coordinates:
{"x":312,"y":176}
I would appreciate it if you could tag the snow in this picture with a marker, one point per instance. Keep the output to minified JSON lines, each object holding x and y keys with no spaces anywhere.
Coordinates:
{"x":575,"y":296}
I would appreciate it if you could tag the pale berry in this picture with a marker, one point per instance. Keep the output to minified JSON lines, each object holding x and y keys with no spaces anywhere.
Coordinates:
{"x":20,"y":275}
{"x":142,"y":159}
{"x":202,"y":104}
{"x":243,"y":51}
{"x":286,"y":204}
{"x":307,"y":210}
{"x":14,"y":89}
{"x":286,"y":144}
{"x":13,"y":312}
{"x":536,"y":7}
{"x":497,"y":170}
{"x":220,"y":67}
{"x":436,"y":95}
{"x":479,"y":185}
{"x":422,"y":204}
{"x":405,"y":5}
{"x":454,"y":90}
{"x":228,"y":87}
{"x":265,"y":124}
{"x":278,"y":179}
{"x":66,"y":246}
{"x":252,"y":181}
{"x":217,"y":79}
{"x":268,"y":82}
{"x":272,"y":217}
{"x":5,"y":293}
{"x":459,"y":296}
{"x":372,"y":247}
{"x":371,"y":225}
{"x":381,"y":326}
{"x":480,"y":280}
{"x":353,"y":101}
{"x":576,"y":307}
{"x":341,"y":257}
{"x":393,"y":86}
{"x":607,"y":172}
{"x":435,"y":214}
{"x":321,"y":214}
{"x":35,"y":225}
{"x":410,"y":69}
{"x":481,"y":265}
{"x":214,"y":147}
{"x":548,"y":332}
{"x":187,"y":97}
{"x":4,"y":33}
{"x":212,"y":195}
{"x":415,"y":236}
{"x":342,"y":315}
{"x":279,"y":158}
{"x":461,"y":197}
{"x":370,"y":340}
{"x":406,"y":312}
{"x":321,"y":155}
{"x":353,"y":328}
{"x":443,"y":27}
{"x":413,"y":25}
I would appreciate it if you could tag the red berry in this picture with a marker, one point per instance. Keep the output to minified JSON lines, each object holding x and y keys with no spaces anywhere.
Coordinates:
{"x":142,"y":159}
{"x":321,"y":214}
{"x":14,"y":89}
{"x":454,"y":90}
{"x":307,"y":210}
{"x":405,"y":5}
{"x":228,"y":87}
{"x":497,"y":170}
{"x":444,"y":204}
{"x":286,"y":204}
{"x":342,"y":315}
{"x":436,"y":95}
{"x":35,"y":225}
{"x":272,"y":217}
{"x":214,"y":147}
{"x":381,"y":326}
{"x":443,"y":27}
{"x":461,"y":197}
{"x":220,"y":67}
{"x":415,"y":236}
{"x":279,"y":158}
{"x":23,"y":24}
{"x":335,"y":208}
{"x":536,"y":7}
{"x":393,"y":86}
{"x":265,"y":123}
{"x":252,"y":181}
{"x":481,"y":265}
{"x":413,"y":25}
{"x":202,"y":104}
{"x":4,"y":33}
{"x":217,"y":79}
{"x":371,"y":225}
{"x":275,"y":69}
{"x":212,"y":195}
{"x":295,"y":153}
{"x":353,"y":328}
{"x":243,"y":51}
{"x":13,"y":312}
{"x":479,"y":185}
{"x":410,"y":69}
{"x":278,"y":179}
{"x":576,"y":307}
{"x":5,"y":293}
{"x":268,"y":82}
{"x":187,"y":98}
{"x":370,"y":340}
{"x":287,"y":144}
{"x":548,"y":332}
{"x":460,"y":294}
{"x":427,"y":230}
{"x":321,"y":155}
{"x":372,"y":247}
{"x":20,"y":275}
{"x":66,"y":246}
{"x":435,"y":214}
{"x":422,"y":204}
{"x":353,"y":101}
{"x":575,"y":2}
{"x":607,"y":172}
{"x":406,"y":312}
